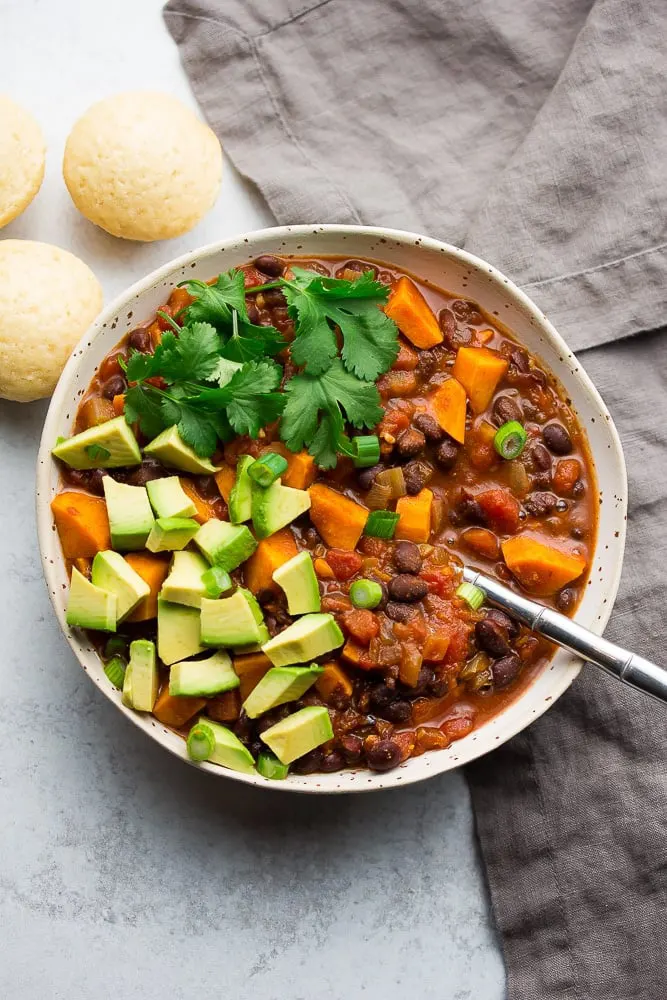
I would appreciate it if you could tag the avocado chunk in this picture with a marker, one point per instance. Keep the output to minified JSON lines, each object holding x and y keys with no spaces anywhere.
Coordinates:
{"x":172,"y":451}
{"x":178,"y":631}
{"x":171,"y":534}
{"x":130,"y":515}
{"x":276,"y":506}
{"x":298,"y":580}
{"x":254,"y":647}
{"x":111,"y":572}
{"x":231,"y":621}
{"x":107,"y":446}
{"x":299,"y":733}
{"x":278,"y":686}
{"x":304,"y":640}
{"x":185,"y":585}
{"x":169,"y":499}
{"x":240,"y":498}
{"x":228,"y":751}
{"x":140,"y":683}
{"x":224,"y":544}
{"x":89,"y":606}
{"x":203,"y":678}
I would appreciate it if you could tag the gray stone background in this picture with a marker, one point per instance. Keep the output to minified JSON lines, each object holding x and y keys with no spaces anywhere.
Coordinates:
{"x":123,"y":872}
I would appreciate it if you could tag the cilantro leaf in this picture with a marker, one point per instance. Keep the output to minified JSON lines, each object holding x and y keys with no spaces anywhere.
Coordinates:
{"x":313,"y":416}
{"x":198,"y":428}
{"x":143,"y":405}
{"x":140,"y":366}
{"x":370,"y":338}
{"x":214,"y":303}
{"x":248,"y":397}
{"x":191,"y":357}
{"x":249,"y":342}
{"x":96,"y":451}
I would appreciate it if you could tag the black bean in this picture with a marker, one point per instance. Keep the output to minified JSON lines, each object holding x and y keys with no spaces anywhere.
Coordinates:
{"x":399,"y":612}
{"x":511,"y":627}
{"x":446,"y":453}
{"x":540,"y":504}
{"x":140,"y":340}
{"x":466,"y":312}
{"x":429,"y":360}
{"x":381,"y":695}
{"x":274,"y":297}
{"x":438,"y":687}
{"x":448,"y":324}
{"x":409,"y":443}
{"x":519,"y":359}
{"x":506,"y":408}
{"x":312,"y":537}
{"x":491,"y":638}
{"x":407,"y":588}
{"x":471,"y":511}
{"x":114,"y":386}
{"x":425,"y":677}
{"x":268,"y":264}
{"x":353,"y":748}
{"x":309,"y":763}
{"x":397,"y":711}
{"x":429,"y":427}
{"x":407,"y":557}
{"x":578,"y":489}
{"x":383,"y":755}
{"x":361,"y":266}
{"x":253,"y":313}
{"x":505,"y":670}
{"x":149,"y":469}
{"x":366,"y":477}
{"x":417,"y":475}
{"x":541,"y":457}
{"x":333,"y":761}
{"x":566,"y":599}
{"x":265,"y":596}
{"x":557,"y":439}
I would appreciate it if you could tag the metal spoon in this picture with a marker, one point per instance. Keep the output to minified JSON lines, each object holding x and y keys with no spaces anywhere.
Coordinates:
{"x":628,"y":667}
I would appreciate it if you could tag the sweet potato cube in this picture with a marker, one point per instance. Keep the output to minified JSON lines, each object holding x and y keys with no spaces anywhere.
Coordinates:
{"x":82,"y":523}
{"x":541,"y":569}
{"x":412,"y":314}
{"x":479,"y":370}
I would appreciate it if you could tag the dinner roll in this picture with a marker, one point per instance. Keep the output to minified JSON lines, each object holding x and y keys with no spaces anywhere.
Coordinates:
{"x":142,"y":166}
{"x":48,"y":298}
{"x":22,"y":153}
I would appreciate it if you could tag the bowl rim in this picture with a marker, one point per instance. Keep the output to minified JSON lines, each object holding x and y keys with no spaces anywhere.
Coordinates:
{"x":45,"y":462}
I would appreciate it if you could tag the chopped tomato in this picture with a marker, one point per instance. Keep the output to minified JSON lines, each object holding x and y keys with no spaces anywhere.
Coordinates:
{"x":501,"y":510}
{"x":439,"y":582}
{"x":361,"y":624}
{"x":567,"y":472}
{"x":344,"y":564}
{"x":457,"y":727}
{"x":407,"y":358}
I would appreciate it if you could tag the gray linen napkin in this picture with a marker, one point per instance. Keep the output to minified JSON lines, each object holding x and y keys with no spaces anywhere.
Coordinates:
{"x":533,"y":132}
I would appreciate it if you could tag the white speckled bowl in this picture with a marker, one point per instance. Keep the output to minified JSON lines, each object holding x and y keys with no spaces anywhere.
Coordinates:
{"x":443,"y":266}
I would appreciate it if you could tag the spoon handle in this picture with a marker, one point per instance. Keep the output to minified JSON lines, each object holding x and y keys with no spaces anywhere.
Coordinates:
{"x":628,"y":667}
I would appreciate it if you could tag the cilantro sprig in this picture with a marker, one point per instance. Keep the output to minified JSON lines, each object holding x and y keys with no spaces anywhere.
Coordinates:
{"x":215,"y":375}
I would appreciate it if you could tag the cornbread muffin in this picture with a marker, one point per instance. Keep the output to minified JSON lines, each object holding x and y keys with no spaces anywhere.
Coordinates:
{"x":142,"y":166}
{"x":48,"y":298}
{"x":22,"y":155}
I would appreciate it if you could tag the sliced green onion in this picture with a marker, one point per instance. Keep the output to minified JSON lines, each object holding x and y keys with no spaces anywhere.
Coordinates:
{"x":472,"y":595}
{"x":269,"y":766}
{"x":217,"y":581}
{"x":201,"y":742}
{"x":381,"y":524}
{"x":115,"y":671}
{"x":367,"y":450}
{"x":510,"y":440}
{"x":267,"y":468}
{"x":115,"y":646}
{"x":365,"y":593}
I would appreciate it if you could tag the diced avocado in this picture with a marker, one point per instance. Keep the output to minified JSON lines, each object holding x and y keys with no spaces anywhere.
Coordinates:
{"x":254,"y":647}
{"x":275,"y":507}
{"x":217,"y":581}
{"x":304,"y":640}
{"x":106,"y":446}
{"x":203,"y":678}
{"x":231,"y":621}
{"x":111,"y":572}
{"x":172,"y":451}
{"x":270,"y":767}
{"x":184,"y":585}
{"x":278,"y":686}
{"x":140,"y":683}
{"x":130,"y":514}
{"x":169,"y":499}
{"x":89,"y":606}
{"x":178,"y":632}
{"x":299,"y":582}
{"x":228,"y":751}
{"x":299,"y":733}
{"x":171,"y":534}
{"x":224,"y":544}
{"x":240,"y":498}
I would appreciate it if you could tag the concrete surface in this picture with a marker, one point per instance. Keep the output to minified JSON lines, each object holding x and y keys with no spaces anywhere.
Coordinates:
{"x":123,"y":873}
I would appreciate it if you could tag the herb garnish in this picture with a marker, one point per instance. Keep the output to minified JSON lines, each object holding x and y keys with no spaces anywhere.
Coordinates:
{"x":214,"y":375}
